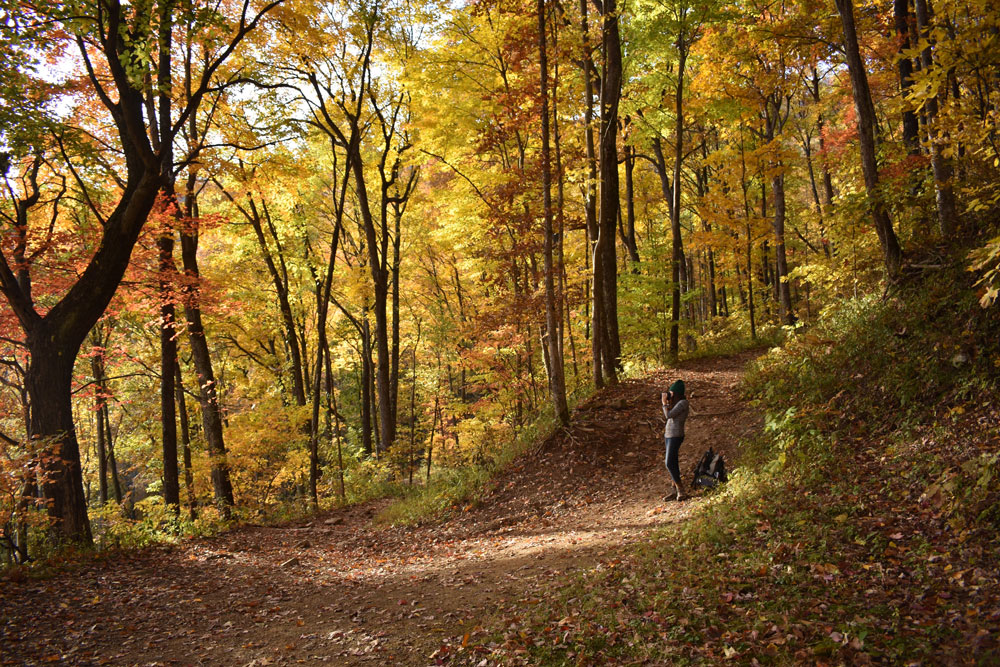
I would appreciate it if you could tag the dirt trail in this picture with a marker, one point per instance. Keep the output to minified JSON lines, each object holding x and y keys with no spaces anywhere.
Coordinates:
{"x":355,"y":593}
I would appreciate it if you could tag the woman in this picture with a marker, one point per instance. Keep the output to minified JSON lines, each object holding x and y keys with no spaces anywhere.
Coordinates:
{"x":675,"y":409}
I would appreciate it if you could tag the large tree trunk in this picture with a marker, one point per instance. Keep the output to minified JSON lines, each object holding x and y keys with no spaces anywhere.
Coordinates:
{"x":611,"y":89}
{"x":48,"y":380}
{"x":891,"y":250}
{"x":54,"y":340}
{"x":557,"y":381}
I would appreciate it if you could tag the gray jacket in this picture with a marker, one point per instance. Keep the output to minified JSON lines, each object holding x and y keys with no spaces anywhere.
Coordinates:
{"x":676,"y":417}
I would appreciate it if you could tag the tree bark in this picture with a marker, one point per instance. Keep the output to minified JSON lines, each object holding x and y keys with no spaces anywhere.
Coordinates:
{"x":102,"y":453}
{"x":168,"y":361}
{"x":48,"y":380}
{"x":785,"y":311}
{"x":611,"y":88}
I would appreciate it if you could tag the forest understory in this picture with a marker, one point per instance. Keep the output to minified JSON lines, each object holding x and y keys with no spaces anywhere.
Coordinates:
{"x":344,"y":590}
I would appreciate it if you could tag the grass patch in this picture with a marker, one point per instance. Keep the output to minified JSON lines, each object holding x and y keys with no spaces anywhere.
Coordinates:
{"x":452,"y":488}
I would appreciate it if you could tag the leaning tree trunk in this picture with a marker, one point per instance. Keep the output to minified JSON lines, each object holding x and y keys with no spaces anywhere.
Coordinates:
{"x":211,"y":413}
{"x":891,"y":250}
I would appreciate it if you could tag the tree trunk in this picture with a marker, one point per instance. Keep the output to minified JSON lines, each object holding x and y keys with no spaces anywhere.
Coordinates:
{"x":557,"y":380}
{"x":211,"y":413}
{"x":323,"y":289}
{"x":168,"y":360}
{"x":112,"y":461}
{"x":628,"y":233}
{"x":611,"y":89}
{"x":280,"y":281}
{"x":677,"y":247}
{"x":780,"y":262}
{"x":48,"y":380}
{"x":394,"y":350}
{"x":807,"y":148}
{"x":185,"y":442}
{"x":314,"y":421}
{"x":380,"y":283}
{"x":366,"y":385}
{"x":102,"y":453}
{"x":596,"y":300}
{"x":891,"y":250}
{"x":746,"y":215}
{"x":340,"y":449}
{"x":911,"y":126}
{"x":944,"y":194}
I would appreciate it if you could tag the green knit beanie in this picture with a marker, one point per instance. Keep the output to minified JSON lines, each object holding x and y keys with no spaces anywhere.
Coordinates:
{"x":678,"y":388}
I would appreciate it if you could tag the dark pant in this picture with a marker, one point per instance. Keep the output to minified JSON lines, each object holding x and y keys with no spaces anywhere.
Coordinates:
{"x":673,"y":448}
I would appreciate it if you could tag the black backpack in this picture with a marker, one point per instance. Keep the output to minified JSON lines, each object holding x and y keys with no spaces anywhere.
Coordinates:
{"x":710,"y":471}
